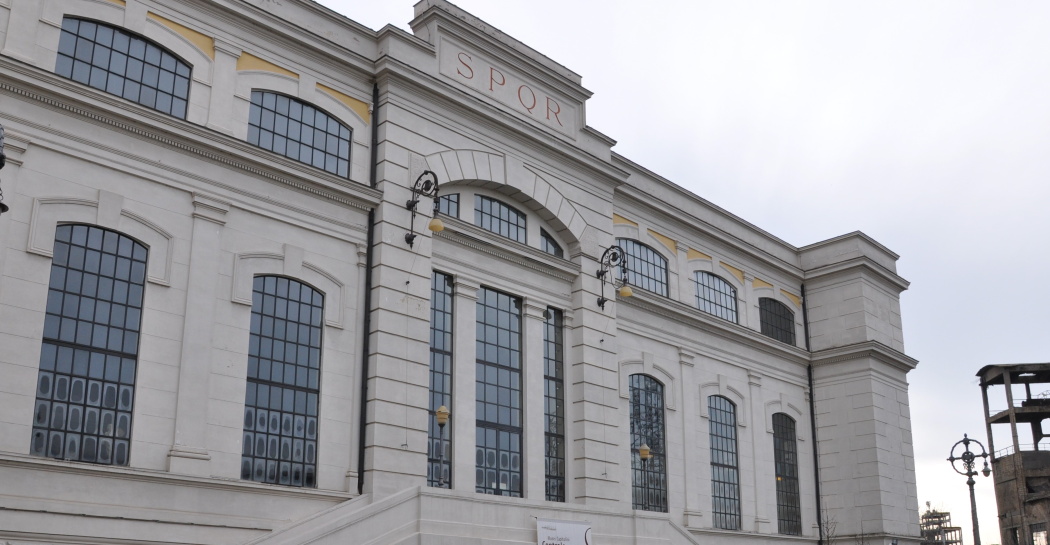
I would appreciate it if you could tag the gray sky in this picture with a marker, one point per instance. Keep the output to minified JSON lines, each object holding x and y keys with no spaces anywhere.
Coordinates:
{"x":924,"y":124}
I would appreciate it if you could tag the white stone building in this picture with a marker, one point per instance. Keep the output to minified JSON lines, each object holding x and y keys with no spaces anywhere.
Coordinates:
{"x":214,"y":329}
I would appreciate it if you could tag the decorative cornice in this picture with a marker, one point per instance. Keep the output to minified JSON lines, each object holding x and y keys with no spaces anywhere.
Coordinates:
{"x":362,"y":196}
{"x":467,"y":235}
{"x":866,"y":349}
{"x":856,"y":263}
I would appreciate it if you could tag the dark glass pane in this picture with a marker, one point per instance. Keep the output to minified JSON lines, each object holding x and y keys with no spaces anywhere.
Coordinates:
{"x":278,"y":393}
{"x":777,"y":321}
{"x":549,"y":245}
{"x":554,"y":402}
{"x":785,"y":458}
{"x":111,"y":59}
{"x":83,"y":331}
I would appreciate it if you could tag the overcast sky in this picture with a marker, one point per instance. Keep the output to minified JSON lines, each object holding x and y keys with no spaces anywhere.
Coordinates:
{"x":924,"y":124}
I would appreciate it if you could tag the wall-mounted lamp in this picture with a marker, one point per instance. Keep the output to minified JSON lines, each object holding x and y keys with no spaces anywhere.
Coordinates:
{"x":441,"y":414}
{"x":426,"y":186}
{"x":613,"y":257}
{"x":3,"y":161}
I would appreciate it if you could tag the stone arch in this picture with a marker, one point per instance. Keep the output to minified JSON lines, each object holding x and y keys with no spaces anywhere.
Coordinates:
{"x":289,"y":263}
{"x":530,"y":187}
{"x":646,"y":366}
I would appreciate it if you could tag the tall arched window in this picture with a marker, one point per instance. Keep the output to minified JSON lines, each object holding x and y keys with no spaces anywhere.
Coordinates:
{"x":284,"y":383}
{"x":86,"y":384}
{"x":439,"y":447}
{"x":124,"y":64}
{"x":299,"y":131}
{"x":785,"y":458}
{"x":777,"y":321}
{"x":648,"y":477}
{"x":725,"y":478}
{"x":715,"y":296}
{"x":646,"y":268}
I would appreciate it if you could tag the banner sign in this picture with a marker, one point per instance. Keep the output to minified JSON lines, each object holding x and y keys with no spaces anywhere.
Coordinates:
{"x":562,"y":532}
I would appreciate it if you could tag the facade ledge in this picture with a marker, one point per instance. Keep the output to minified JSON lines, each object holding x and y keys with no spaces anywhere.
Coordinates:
{"x":100,"y":108}
{"x":35,"y":463}
{"x":859,"y":263}
{"x":462,"y":233}
{"x":867,"y":349}
{"x":696,"y":318}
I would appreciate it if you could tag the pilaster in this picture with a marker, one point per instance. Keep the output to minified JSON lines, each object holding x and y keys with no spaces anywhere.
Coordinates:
{"x":464,"y":378}
{"x":189,"y":451}
{"x":223,"y":83}
{"x":693,"y":517}
{"x":532,"y":370}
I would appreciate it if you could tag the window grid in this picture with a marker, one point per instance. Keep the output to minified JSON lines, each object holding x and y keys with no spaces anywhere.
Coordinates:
{"x":284,"y":373}
{"x":554,"y":404}
{"x":499,"y":218}
{"x":715,"y":296}
{"x":648,"y":479}
{"x":785,"y":458}
{"x":1038,"y":533}
{"x":299,"y":131}
{"x":120,"y":63}
{"x":86,"y":383}
{"x":498,"y":393}
{"x":439,"y":446}
{"x":725,"y":480}
{"x":549,"y":245}
{"x":777,"y":321}
{"x":448,"y":205}
{"x":646,"y":268}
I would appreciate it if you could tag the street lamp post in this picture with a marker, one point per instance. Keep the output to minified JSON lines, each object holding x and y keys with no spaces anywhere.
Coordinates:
{"x":968,"y":459}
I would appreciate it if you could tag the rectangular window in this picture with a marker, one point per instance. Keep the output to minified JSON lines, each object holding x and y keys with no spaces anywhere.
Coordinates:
{"x":554,"y":404}
{"x":498,"y":394}
{"x":1038,"y":533}
{"x":439,"y":445}
{"x":448,"y":205}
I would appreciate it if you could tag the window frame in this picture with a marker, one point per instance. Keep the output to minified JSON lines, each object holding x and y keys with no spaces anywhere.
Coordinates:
{"x":730,"y":314}
{"x":648,"y":425}
{"x":785,"y":463}
{"x":262,"y":385}
{"x":118,"y":68}
{"x":638,"y":276}
{"x":101,"y":366}
{"x":439,"y":444}
{"x":554,"y":404}
{"x":776,"y":320}
{"x":520,"y":228}
{"x":260,"y":115}
{"x":725,"y":463}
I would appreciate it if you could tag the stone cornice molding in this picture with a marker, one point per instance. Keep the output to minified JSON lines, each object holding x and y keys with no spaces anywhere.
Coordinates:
{"x":867,"y":349}
{"x":695,"y":226}
{"x":174,"y":133}
{"x":889,"y":278}
{"x":464,"y":234}
{"x":164,"y":478}
{"x":695,"y":318}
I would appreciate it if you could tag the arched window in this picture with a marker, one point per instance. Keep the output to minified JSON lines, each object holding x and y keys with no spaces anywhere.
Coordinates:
{"x":549,"y":245}
{"x":499,"y":445}
{"x":785,"y":458}
{"x":499,"y":218}
{"x":725,"y":478}
{"x":284,"y":383}
{"x":88,"y":359}
{"x":646,"y":268}
{"x":778,"y":322}
{"x":648,"y":477}
{"x":715,"y":296}
{"x":439,"y":447}
{"x":299,"y":131}
{"x":124,"y":64}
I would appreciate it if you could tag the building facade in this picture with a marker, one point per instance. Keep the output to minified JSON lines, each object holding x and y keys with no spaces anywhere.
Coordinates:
{"x":225,"y":317}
